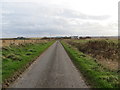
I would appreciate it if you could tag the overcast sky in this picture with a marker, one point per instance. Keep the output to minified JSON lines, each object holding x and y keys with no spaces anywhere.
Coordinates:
{"x":37,"y":18}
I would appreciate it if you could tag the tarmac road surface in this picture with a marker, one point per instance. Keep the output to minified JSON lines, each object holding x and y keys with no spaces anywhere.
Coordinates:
{"x":53,"y":69}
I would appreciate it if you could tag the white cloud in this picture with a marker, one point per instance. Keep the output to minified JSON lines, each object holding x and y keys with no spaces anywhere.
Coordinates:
{"x":59,"y":17}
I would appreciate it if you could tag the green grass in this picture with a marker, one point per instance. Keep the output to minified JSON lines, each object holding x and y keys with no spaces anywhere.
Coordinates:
{"x":95,"y":74}
{"x":15,"y":58}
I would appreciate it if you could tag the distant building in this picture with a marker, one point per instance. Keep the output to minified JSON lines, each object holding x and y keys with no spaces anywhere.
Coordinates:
{"x":74,"y":37}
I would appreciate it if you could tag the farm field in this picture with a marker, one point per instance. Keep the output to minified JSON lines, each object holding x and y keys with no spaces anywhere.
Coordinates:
{"x":19,"y":42}
{"x":18,"y":56}
{"x":104,"y":50}
{"x":97,"y":59}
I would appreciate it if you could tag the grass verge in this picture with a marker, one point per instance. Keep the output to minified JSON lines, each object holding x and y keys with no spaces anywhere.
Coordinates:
{"x":15,"y":59}
{"x":96,"y":75}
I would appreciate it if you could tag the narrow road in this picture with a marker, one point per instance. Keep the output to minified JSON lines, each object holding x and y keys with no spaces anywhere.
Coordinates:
{"x":53,"y":69}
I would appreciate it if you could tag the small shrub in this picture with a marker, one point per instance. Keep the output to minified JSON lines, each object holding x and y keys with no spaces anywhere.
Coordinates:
{"x":31,"y":50}
{"x":13,"y":57}
{"x":4,"y":48}
{"x":29,"y":53}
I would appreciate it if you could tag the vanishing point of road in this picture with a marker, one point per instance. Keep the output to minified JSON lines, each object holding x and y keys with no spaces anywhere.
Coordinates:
{"x":53,"y":69}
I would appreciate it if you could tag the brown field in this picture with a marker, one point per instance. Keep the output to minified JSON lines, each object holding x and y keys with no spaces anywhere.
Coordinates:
{"x":105,"y":51}
{"x":18,"y":42}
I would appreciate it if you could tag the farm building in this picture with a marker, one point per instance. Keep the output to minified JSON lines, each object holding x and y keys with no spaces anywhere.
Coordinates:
{"x":74,"y":37}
